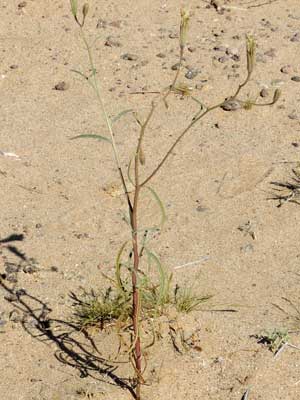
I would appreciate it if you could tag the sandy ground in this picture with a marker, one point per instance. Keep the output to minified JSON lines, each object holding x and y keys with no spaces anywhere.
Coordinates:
{"x":216,"y":186}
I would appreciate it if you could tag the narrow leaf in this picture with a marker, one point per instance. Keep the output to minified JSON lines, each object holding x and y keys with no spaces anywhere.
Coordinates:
{"x":128,"y":171}
{"x":164,"y":279}
{"x":80,"y":73}
{"x":118,"y":116}
{"x":161,"y":206}
{"x":97,"y":137}
{"x":118,"y":267}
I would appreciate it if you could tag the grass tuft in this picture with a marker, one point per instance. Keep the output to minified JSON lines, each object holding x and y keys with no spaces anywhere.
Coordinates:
{"x":114,"y":306}
{"x":98,"y":309}
{"x":186,"y":300}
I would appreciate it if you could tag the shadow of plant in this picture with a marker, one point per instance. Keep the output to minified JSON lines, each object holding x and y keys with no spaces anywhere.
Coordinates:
{"x":74,"y":346}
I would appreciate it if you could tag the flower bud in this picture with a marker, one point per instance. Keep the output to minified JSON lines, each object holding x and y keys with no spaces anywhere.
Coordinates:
{"x":85,"y":10}
{"x":142,"y":157}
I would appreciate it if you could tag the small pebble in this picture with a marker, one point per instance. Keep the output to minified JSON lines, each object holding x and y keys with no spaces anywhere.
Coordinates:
{"x":20,"y":292}
{"x":295,"y":144}
{"x":286,"y":69}
{"x":175,"y":67}
{"x":191,"y":49}
{"x":231,"y":105}
{"x":191,"y":73}
{"x":173,"y":36}
{"x":161,"y":55}
{"x":30,"y":269}
{"x":295,"y":37}
{"x":264,"y":92}
{"x":261,"y":58}
{"x":101,"y":24}
{"x":295,"y":78}
{"x":293,"y":116}
{"x":201,"y":209}
{"x":232,"y":51}
{"x":61,"y":86}
{"x":223,"y":59}
{"x":11,"y":268}
{"x":22,"y":4}
{"x":293,"y":16}
{"x":116,"y":24}
{"x":111,"y":42}
{"x":13,"y":278}
{"x":14,"y":66}
{"x":220,"y":48}
{"x":129,"y":57}
{"x":235,"y":57}
{"x":271,"y":53}
{"x":248,"y":248}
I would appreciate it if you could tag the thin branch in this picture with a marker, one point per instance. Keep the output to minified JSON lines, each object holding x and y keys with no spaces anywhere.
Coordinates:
{"x":180,"y":137}
{"x":107,"y":120}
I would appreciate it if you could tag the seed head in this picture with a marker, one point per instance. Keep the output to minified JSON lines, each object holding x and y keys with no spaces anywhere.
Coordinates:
{"x":184,"y":26}
{"x":74,"y":7}
{"x":250,"y":43}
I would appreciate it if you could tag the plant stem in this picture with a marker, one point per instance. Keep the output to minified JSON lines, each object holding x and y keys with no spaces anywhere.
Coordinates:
{"x":135,"y":289}
{"x":136,"y":297}
{"x":106,"y":117}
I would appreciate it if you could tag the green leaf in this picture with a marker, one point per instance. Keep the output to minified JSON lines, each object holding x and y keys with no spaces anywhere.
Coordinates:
{"x":164,"y":279}
{"x":118,"y":116}
{"x":97,"y":137}
{"x":161,"y":206}
{"x":74,"y":7}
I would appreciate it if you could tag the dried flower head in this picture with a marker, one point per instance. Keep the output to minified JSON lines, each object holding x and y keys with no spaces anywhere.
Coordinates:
{"x":85,"y":10}
{"x":250,"y":53}
{"x":183,"y":89}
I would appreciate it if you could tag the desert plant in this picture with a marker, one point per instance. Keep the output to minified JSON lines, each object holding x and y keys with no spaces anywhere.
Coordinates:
{"x":274,"y":339}
{"x":186,"y":300}
{"x":141,"y":292}
{"x":289,"y":191}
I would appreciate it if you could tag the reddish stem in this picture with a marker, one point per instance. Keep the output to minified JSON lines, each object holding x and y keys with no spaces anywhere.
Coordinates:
{"x":135,"y":291}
